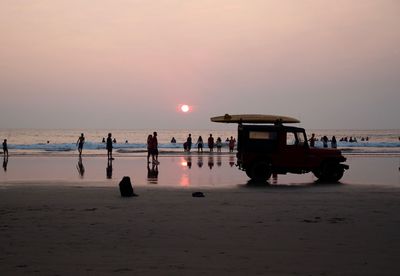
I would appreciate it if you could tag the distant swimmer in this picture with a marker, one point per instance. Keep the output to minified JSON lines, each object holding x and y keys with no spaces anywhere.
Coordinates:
{"x":104,"y":140}
{"x":5,"y":148}
{"x":173,"y":140}
{"x":79,"y":143}
{"x":114,"y":141}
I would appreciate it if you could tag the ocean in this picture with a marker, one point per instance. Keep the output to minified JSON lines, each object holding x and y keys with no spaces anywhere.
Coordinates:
{"x":133,"y":142}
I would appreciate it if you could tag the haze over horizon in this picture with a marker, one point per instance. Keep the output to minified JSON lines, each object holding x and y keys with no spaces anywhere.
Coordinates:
{"x":130,"y":64}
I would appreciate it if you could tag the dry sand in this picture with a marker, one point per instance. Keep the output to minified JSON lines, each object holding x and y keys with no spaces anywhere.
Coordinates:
{"x":311,"y":230}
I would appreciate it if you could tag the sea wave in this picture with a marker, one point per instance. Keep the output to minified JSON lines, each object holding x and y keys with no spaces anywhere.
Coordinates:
{"x":351,"y":147}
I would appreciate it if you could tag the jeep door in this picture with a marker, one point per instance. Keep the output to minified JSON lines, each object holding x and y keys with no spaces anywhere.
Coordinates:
{"x":294,"y":151}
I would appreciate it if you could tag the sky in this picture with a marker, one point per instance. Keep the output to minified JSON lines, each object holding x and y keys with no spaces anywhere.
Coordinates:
{"x":130,"y":64}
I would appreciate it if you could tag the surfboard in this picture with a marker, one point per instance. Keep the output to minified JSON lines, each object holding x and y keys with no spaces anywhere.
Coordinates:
{"x":254,"y":119}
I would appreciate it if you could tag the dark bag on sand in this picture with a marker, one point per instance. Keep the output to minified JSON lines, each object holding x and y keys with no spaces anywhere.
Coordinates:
{"x":125,"y":187}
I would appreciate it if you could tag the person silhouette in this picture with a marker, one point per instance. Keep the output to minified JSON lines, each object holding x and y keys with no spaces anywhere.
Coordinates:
{"x":333,"y":142}
{"x":199,"y":144}
{"x":219,"y":144}
{"x":211,"y":143}
{"x":149,"y":147}
{"x":109,"y":146}
{"x":5,"y":148}
{"x":312,"y":140}
{"x":154,"y":147}
{"x":80,"y":167}
{"x":189,"y":142}
{"x":79,"y":143}
{"x":231,"y":144}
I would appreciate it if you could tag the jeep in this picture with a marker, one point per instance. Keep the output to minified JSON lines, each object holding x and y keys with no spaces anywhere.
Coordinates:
{"x":263,"y":150}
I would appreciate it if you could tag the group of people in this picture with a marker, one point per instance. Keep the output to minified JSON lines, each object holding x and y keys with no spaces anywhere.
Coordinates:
{"x":152,"y":148}
{"x":109,"y":145}
{"x":324,"y":140}
{"x":211,"y":143}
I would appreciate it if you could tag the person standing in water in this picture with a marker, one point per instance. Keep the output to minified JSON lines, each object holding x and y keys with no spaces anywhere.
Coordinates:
{"x":79,"y":143}
{"x":109,"y":146}
{"x":334,"y":142}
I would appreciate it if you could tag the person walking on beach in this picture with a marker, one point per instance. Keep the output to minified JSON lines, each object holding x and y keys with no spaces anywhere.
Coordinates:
{"x":5,"y":148}
{"x":79,"y":143}
{"x":211,"y":143}
{"x":109,"y":146}
{"x":199,"y":144}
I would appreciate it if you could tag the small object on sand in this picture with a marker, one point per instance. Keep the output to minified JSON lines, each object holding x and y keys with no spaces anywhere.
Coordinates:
{"x":197,"y":194}
{"x":125,"y":187}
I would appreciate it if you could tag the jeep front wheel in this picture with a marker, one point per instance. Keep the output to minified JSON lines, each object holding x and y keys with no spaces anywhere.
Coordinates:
{"x":331,"y":172}
{"x":260,"y":171}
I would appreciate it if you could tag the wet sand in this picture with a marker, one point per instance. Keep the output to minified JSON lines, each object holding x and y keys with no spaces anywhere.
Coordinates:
{"x":61,"y":228}
{"x":183,"y":170}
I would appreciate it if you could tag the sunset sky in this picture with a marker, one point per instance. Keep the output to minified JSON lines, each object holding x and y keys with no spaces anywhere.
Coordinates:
{"x":131,"y":64}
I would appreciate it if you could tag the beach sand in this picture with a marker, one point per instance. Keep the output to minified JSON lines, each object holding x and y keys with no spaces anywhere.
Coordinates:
{"x":314,"y":230}
{"x":76,"y":226}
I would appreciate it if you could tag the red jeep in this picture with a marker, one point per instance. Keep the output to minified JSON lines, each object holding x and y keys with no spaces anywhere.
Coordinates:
{"x":263,"y":150}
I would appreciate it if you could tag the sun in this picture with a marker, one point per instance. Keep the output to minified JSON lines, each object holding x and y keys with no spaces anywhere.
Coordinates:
{"x":185,"y":108}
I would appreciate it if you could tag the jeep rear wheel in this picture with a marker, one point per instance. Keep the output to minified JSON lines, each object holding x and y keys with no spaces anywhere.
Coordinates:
{"x":260,"y":171}
{"x":331,"y":172}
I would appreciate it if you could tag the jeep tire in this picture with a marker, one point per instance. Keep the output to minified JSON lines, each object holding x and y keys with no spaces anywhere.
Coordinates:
{"x":259,"y":171}
{"x":329,"y":172}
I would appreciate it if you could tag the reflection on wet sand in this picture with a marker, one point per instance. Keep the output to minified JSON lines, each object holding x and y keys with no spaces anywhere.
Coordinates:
{"x":152,"y":174}
{"x":109,"y":169}
{"x":186,"y":164}
{"x":80,"y":167}
{"x":179,"y":171}
{"x":219,"y":160}
{"x":210,"y":161}
{"x":200,"y":161}
{"x":231,"y":160}
{"x":5,"y":163}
